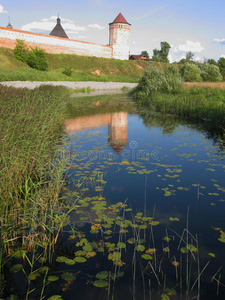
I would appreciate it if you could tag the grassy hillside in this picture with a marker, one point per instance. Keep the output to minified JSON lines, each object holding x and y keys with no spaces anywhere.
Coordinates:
{"x":83,"y":68}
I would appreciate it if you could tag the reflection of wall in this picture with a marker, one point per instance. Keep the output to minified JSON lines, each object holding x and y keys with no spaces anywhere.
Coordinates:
{"x":117,"y":127}
{"x":118,"y":131}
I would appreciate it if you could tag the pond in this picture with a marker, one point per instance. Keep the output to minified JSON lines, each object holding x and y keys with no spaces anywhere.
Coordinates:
{"x":147,"y":197}
{"x":155,"y":185}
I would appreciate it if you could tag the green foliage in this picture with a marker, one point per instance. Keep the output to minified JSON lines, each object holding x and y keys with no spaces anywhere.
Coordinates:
{"x":156,"y":81}
{"x":145,"y":53}
{"x":21,"y":51}
{"x":36,"y":59}
{"x":221,"y":65}
{"x":191,"y":73}
{"x":212,"y":62}
{"x":210,"y":72}
{"x":162,"y":55}
{"x":189,"y":56}
{"x":67,"y":71}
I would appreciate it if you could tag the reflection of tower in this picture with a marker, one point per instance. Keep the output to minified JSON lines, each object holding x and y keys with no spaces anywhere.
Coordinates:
{"x":118,"y":131}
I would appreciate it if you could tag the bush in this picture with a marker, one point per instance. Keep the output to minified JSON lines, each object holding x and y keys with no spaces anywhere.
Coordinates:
{"x":67,"y":71}
{"x":36,"y":59}
{"x":21,"y":51}
{"x":210,"y":73}
{"x":191,"y":73}
{"x":165,"y":80}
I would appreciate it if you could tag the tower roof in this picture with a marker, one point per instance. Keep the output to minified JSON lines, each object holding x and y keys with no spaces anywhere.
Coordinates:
{"x":120,"y":19}
{"x":58,"y":30}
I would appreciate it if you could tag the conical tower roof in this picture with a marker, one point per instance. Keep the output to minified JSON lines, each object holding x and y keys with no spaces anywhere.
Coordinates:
{"x":58,"y":30}
{"x":9,"y":25}
{"x":120,"y":19}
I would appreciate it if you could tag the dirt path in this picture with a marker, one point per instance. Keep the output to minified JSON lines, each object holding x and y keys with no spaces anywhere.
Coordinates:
{"x":72,"y":84}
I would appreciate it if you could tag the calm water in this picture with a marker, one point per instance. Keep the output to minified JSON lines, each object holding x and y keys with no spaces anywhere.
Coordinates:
{"x":164,"y":170}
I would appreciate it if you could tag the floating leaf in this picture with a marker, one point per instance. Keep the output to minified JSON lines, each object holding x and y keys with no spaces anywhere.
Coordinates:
{"x":61,"y":259}
{"x":146,"y":256}
{"x":16,"y":268}
{"x":184,"y":250}
{"x":121,"y":245}
{"x":90,"y":254}
{"x":150,"y":251}
{"x":115,"y":256}
{"x":154,"y":223}
{"x":100,"y":283}
{"x":33,"y":276}
{"x":68,"y":276}
{"x":55,"y":297}
{"x":87,"y":248}
{"x":102,"y":275}
{"x":192,"y":248}
{"x":165,"y":297}
{"x":174,"y":219}
{"x":52,"y":278}
{"x":69,"y":262}
{"x":222,"y":240}
{"x":211,"y":254}
{"x":140,"y":248}
{"x":80,"y":259}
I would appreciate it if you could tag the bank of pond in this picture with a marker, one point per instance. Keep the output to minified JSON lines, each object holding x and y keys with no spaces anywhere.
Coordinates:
{"x":109,"y":198}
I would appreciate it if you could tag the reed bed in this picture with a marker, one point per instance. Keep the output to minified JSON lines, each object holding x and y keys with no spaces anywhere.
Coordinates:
{"x":32,"y":170}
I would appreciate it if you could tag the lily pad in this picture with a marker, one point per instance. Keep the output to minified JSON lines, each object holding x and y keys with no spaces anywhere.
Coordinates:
{"x":52,"y":278}
{"x":146,"y":256}
{"x":102,"y":275}
{"x":140,"y":248}
{"x":68,"y":276}
{"x":80,"y":259}
{"x":55,"y":297}
{"x":100,"y":283}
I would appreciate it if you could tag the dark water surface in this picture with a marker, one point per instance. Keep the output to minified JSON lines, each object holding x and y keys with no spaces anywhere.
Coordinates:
{"x":172,"y":177}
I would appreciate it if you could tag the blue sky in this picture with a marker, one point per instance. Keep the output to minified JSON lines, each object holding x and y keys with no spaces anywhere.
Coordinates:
{"x":194,"y":25}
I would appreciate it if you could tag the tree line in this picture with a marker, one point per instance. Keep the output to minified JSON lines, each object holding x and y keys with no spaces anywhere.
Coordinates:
{"x":209,"y":70}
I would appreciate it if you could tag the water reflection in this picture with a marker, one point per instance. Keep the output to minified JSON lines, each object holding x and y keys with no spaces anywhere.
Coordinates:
{"x":117,"y":127}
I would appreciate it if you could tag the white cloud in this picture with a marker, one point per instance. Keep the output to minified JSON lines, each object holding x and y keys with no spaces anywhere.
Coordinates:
{"x":189,"y":46}
{"x":96,"y":26}
{"x":2,"y":10}
{"x":219,"y":41}
{"x":47,"y":24}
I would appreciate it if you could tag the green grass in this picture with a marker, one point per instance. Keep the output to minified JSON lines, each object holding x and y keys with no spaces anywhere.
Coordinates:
{"x":82,"y":68}
{"x":31,"y":170}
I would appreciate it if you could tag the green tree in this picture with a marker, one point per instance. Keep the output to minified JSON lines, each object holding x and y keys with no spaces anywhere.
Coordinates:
{"x":210,"y":73}
{"x":212,"y":61}
{"x":36,"y":59}
{"x":21,"y":50}
{"x":221,"y":65}
{"x":191,"y":73}
{"x":189,"y":56}
{"x":145,"y":53}
{"x":161,"y":55}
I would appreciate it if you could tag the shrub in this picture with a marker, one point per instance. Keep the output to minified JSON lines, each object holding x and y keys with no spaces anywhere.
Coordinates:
{"x":191,"y":73}
{"x":36,"y":59}
{"x":67,"y":71}
{"x":21,"y":51}
{"x":210,"y":73}
{"x":165,"y":80}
